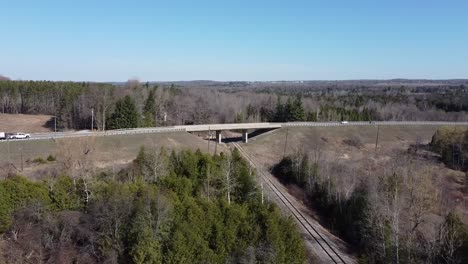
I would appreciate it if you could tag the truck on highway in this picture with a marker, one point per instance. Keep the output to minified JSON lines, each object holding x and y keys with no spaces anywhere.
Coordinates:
{"x":3,"y":135}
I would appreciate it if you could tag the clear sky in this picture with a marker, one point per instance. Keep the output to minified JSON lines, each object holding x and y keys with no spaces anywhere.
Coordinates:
{"x":102,"y":40}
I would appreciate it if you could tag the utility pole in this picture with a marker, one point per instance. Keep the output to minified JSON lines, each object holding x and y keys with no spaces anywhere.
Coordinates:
{"x":92,"y":119}
{"x":216,"y":145}
{"x":377,"y":138}
{"x":55,"y":124}
{"x":209,"y":138}
{"x":285,"y":143}
{"x":22,"y":164}
{"x":9,"y":158}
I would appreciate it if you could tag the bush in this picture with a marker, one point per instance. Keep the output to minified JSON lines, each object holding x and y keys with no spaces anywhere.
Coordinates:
{"x":39,"y":160}
{"x":354,"y":142}
{"x":51,"y":158}
{"x":17,"y":192}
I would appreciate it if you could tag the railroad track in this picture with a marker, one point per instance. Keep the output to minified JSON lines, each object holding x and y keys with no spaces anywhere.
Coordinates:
{"x":324,"y":245}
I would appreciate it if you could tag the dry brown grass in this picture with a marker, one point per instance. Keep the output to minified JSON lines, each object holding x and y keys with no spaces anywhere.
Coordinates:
{"x":110,"y":151}
{"x":270,"y":147}
{"x":332,"y":143}
{"x":24,"y":123}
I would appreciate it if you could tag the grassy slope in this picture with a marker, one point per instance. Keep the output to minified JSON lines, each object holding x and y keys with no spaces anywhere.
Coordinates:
{"x":110,"y":150}
{"x":270,"y":147}
{"x":393,"y":142}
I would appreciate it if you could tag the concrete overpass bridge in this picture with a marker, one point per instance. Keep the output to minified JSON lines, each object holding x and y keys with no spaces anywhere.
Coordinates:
{"x":218,"y":128}
{"x":245,"y":127}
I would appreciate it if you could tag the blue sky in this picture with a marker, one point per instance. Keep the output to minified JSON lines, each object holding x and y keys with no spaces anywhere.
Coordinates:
{"x":233,"y":40}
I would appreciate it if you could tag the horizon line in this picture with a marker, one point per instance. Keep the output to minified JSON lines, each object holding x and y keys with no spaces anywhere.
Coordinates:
{"x":248,"y":81}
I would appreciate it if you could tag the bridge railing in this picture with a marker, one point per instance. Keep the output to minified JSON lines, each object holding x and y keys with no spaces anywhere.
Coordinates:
{"x":38,"y":136}
{"x":366,"y":123}
{"x":42,"y":136}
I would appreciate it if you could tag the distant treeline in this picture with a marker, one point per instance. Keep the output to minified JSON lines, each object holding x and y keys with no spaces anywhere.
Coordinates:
{"x":73,"y":104}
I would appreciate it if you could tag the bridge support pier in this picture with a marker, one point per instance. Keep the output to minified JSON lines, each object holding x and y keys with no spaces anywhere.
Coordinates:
{"x":245,"y":136}
{"x":219,"y":137}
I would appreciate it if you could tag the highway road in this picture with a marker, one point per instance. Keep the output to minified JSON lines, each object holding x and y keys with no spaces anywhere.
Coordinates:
{"x":221,"y":127}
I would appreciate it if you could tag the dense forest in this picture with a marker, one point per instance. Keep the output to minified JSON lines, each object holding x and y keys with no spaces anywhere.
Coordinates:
{"x":184,"y":207}
{"x":135,"y":104}
{"x":394,"y":213}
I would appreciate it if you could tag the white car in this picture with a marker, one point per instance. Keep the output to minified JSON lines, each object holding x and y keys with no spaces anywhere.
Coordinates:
{"x":19,"y":136}
{"x":344,"y":122}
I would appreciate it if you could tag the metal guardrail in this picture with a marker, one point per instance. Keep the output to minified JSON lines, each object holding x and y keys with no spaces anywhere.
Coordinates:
{"x":56,"y":135}
{"x":384,"y":123}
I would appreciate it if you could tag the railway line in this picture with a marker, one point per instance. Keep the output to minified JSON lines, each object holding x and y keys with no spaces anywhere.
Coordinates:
{"x":322,"y":246}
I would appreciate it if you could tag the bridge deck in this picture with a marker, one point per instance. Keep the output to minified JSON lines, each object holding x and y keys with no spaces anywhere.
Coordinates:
{"x":219,"y":127}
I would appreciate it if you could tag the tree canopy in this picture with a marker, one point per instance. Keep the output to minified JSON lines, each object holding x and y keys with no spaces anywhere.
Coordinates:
{"x":181,"y":217}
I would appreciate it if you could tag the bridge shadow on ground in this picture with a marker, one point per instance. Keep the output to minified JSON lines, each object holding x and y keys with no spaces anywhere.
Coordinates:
{"x":252,"y":135}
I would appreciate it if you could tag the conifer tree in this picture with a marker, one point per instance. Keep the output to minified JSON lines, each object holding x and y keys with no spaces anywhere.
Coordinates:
{"x":149,"y":110}
{"x":279,"y":113}
{"x":125,"y":114}
{"x":298,"y":113}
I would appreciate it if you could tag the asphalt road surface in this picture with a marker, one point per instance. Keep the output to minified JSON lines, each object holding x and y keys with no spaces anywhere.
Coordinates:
{"x":220,"y":127}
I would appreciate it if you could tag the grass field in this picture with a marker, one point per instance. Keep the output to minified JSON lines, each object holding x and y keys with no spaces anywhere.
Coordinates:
{"x":109,"y":150}
{"x":271,"y":146}
{"x":24,"y":123}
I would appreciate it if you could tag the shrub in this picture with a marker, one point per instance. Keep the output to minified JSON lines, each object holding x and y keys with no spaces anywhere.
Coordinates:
{"x":51,"y":158}
{"x":39,"y":160}
{"x":354,"y":142}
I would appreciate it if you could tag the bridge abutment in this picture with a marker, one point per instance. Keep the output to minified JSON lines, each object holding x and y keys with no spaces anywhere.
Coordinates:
{"x":245,"y":136}
{"x":219,"y":137}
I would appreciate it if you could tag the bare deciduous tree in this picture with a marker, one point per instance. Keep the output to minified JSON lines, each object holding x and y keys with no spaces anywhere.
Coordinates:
{"x":228,"y":171}
{"x":76,"y":157}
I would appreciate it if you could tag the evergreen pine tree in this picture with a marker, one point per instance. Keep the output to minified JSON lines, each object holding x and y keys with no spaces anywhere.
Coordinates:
{"x":149,"y":110}
{"x":63,"y":114}
{"x":279,"y":113}
{"x":298,"y":113}
{"x":143,"y":245}
{"x":288,"y":111}
{"x":125,"y":114}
